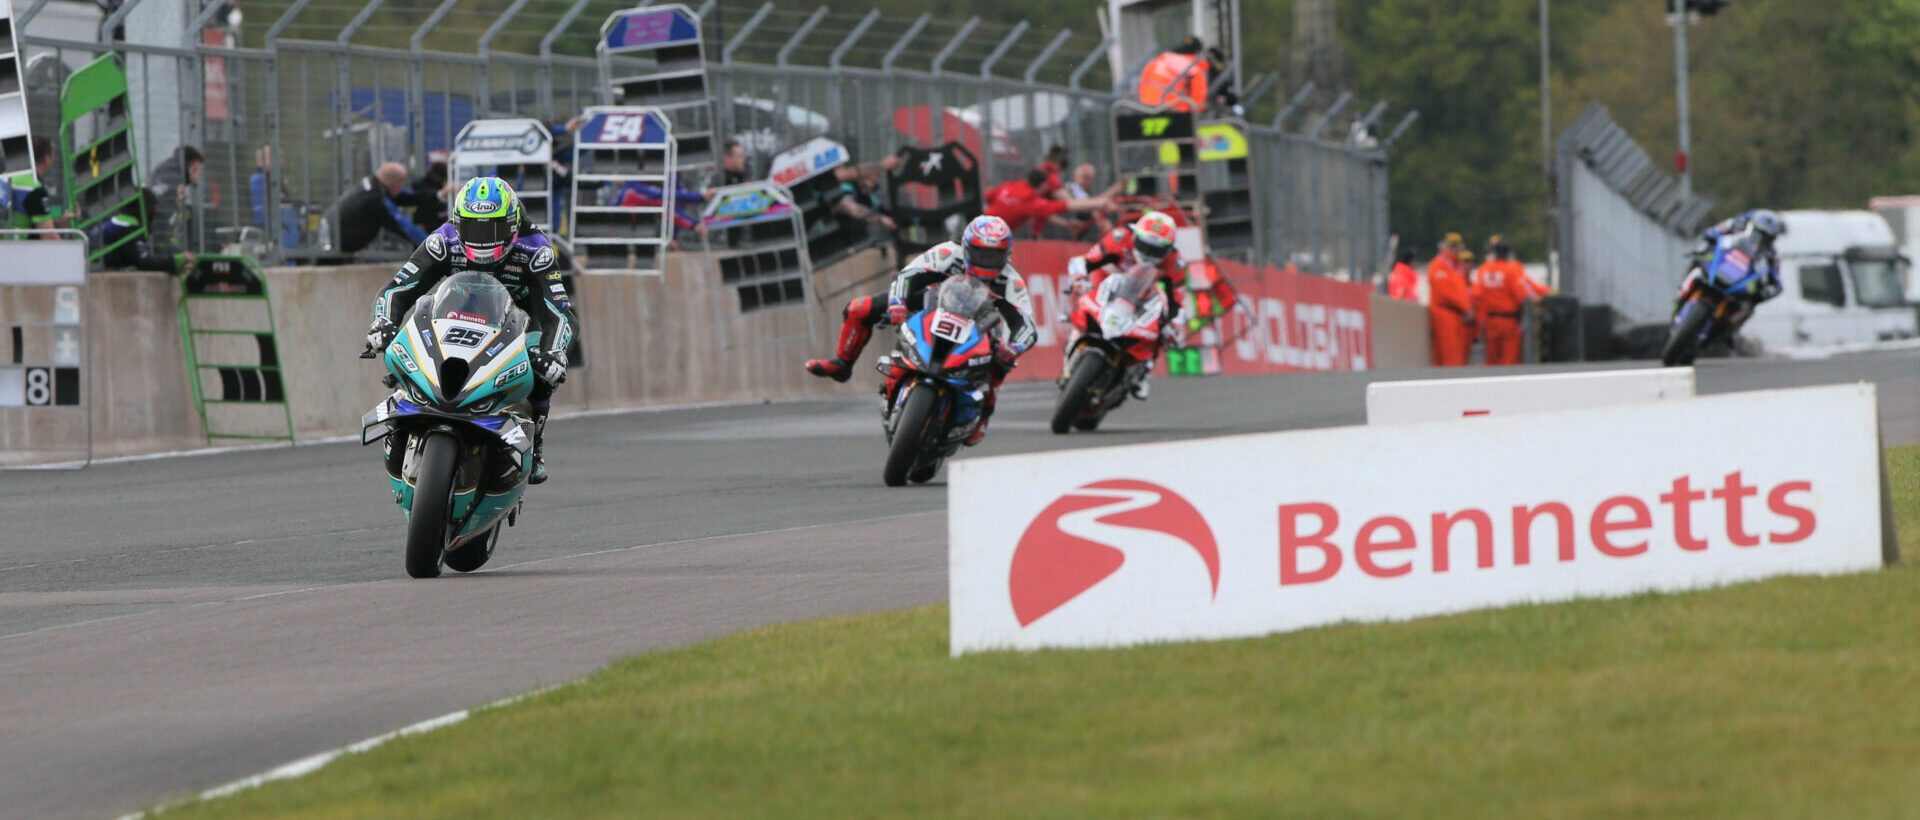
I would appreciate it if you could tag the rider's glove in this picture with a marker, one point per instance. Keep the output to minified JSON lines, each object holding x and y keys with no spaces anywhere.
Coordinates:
{"x":550,"y":366}
{"x":896,"y":312}
{"x":381,"y":333}
{"x":1077,"y":274}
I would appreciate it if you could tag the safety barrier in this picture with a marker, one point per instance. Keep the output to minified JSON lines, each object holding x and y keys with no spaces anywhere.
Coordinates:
{"x":673,"y":350}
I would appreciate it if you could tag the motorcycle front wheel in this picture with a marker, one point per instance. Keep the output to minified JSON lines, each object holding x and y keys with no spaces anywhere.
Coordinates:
{"x":432,"y":500}
{"x":1683,"y":341}
{"x":1078,"y":393}
{"x":909,"y":436}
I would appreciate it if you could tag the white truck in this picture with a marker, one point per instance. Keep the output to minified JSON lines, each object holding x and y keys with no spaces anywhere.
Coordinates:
{"x":1845,"y":281}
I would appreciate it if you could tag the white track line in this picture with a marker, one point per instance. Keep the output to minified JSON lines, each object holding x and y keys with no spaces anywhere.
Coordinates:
{"x":313,"y":763}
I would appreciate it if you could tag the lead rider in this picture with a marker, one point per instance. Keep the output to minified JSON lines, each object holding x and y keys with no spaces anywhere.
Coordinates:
{"x":488,"y":233}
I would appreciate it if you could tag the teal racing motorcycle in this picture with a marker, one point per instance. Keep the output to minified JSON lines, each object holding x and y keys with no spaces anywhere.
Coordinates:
{"x":458,"y":431}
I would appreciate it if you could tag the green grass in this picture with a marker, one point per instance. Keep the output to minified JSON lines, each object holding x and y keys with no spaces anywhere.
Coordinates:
{"x":1796,"y":697}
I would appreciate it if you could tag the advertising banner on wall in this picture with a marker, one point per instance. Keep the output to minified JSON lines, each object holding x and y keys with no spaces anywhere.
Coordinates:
{"x":1250,"y":535}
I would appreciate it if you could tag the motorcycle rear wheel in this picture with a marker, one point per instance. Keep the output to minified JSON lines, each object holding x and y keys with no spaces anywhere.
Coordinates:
{"x":1078,"y":392}
{"x":432,"y":501}
{"x":909,"y":436}
{"x":1682,"y":342}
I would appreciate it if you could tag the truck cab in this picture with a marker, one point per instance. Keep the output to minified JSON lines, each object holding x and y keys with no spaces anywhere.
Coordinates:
{"x":1844,"y":282}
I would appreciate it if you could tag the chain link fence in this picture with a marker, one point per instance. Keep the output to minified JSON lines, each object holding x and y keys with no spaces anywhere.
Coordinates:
{"x":336,"y":87}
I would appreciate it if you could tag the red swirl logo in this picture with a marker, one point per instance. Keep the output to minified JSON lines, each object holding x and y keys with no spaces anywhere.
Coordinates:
{"x":1057,"y":559}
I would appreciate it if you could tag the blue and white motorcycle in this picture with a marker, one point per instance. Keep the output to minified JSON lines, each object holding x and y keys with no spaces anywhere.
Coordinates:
{"x":1718,"y":295}
{"x":459,"y":434}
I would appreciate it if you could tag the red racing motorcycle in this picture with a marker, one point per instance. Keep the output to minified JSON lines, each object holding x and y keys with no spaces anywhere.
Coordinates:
{"x":1117,"y":330}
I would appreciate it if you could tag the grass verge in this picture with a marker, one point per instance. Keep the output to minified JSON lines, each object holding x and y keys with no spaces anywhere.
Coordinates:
{"x":1790,"y":697}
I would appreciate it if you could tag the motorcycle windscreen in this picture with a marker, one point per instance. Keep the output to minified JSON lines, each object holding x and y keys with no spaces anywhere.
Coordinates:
{"x":1136,"y":284}
{"x":1736,"y":261}
{"x":472,"y":297}
{"x":962,"y":296}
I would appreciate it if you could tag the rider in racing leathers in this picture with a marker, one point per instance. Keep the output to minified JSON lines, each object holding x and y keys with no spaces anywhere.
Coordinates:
{"x":488,"y":232}
{"x":1766,"y":261}
{"x":1148,"y":241}
{"x":982,"y":252}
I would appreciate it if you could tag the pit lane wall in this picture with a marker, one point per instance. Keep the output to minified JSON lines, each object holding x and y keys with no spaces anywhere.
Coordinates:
{"x":673,"y":339}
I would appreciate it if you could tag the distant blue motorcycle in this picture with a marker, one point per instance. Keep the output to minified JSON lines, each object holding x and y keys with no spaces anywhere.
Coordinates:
{"x":1719,"y":293}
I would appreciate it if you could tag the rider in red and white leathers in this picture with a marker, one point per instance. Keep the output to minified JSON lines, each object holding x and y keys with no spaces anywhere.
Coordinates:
{"x":982,"y":252}
{"x":1148,"y":241}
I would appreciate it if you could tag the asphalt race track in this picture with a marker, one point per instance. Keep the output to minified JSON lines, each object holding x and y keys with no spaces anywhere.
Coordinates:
{"x":174,"y":624}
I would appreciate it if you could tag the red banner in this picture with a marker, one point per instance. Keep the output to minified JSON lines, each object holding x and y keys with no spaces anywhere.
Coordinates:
{"x":216,"y":75}
{"x":1283,"y":321}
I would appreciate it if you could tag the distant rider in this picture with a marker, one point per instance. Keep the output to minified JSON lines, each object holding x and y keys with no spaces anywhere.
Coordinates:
{"x":1148,"y":241}
{"x":488,"y":233}
{"x":1769,"y":227}
{"x":983,"y":253}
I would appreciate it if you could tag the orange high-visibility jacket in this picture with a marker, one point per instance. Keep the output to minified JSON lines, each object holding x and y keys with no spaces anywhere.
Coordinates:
{"x":1447,"y":287}
{"x":1404,"y":283}
{"x":1158,"y":86}
{"x":1501,"y":287}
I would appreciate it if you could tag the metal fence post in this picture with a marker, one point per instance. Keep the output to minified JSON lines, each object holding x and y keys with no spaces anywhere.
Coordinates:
{"x":846,"y":43}
{"x":740,"y":37}
{"x":799,"y":34}
{"x":940,"y":60}
{"x":272,"y":169}
{"x":1033,"y":68}
{"x":546,"y":53}
{"x":114,"y":20}
{"x":484,"y":48}
{"x":999,"y":51}
{"x":1092,"y":59}
{"x":417,"y":71}
{"x":1299,"y":99}
{"x":1405,"y":123}
{"x":1258,"y":89}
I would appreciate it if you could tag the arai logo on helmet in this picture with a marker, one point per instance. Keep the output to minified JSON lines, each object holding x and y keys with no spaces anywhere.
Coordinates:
{"x":483,"y":207}
{"x":1085,"y":536}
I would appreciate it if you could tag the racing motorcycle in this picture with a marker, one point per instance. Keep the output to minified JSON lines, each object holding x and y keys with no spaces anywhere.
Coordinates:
{"x":1718,"y":294}
{"x":937,"y":377}
{"x":1117,"y":333}
{"x":459,"y":421}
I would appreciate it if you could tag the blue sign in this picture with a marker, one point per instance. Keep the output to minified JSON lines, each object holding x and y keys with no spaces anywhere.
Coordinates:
{"x":652,"y":28}
{"x":636,"y":127}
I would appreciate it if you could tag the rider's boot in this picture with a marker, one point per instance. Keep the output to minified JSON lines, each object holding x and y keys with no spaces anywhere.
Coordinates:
{"x":1140,"y":387}
{"x":539,"y":473}
{"x":986,"y":414}
{"x":856,"y":328}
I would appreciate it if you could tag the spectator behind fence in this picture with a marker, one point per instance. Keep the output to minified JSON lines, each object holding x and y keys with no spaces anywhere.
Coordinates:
{"x":1080,"y":187}
{"x":1404,"y":282}
{"x":429,"y":209}
{"x":171,"y":183}
{"x":1022,"y":202}
{"x":858,"y":199}
{"x":368,"y":207}
{"x":149,"y":251}
{"x":265,"y":166}
{"x":562,"y":165}
{"x":31,"y":205}
{"x":732,"y":170}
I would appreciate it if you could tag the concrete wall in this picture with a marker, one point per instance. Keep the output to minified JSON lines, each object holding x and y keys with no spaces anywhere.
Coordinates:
{"x":671,"y":339}
{"x":1400,"y":336}
{"x":140,"y":401}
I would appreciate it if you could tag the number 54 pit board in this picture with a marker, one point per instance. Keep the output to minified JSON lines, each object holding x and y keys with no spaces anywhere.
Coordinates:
{"x":45,"y":380}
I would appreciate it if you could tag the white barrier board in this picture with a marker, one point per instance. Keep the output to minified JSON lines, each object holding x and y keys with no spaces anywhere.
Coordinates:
{"x":1249,"y":535}
{"x":1442,"y":399}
